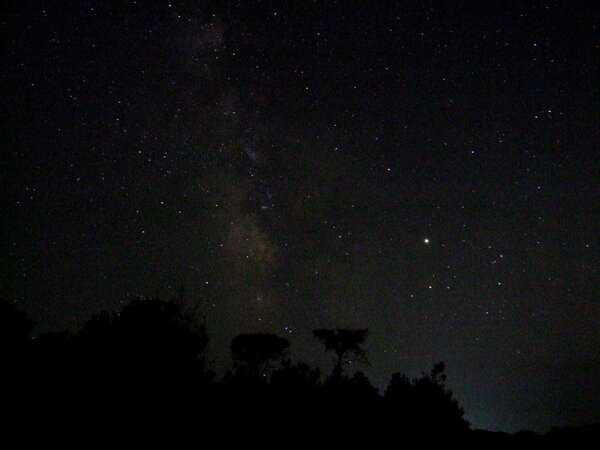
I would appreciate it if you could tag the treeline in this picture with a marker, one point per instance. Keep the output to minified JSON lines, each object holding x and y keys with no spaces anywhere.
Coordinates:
{"x":147,"y":362}
{"x":149,"y":359}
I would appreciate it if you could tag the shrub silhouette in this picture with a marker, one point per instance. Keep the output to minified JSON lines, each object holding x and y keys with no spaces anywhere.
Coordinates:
{"x":424,"y":403}
{"x":256,"y":355}
{"x":296,"y":375}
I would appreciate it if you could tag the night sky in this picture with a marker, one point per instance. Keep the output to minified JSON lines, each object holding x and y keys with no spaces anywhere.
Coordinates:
{"x":425,"y":170}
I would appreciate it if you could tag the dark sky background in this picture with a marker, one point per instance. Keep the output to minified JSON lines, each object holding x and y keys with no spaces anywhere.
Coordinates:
{"x":427,"y":170}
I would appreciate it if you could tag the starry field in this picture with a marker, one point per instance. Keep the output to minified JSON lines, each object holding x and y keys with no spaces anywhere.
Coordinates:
{"x":426,"y":170}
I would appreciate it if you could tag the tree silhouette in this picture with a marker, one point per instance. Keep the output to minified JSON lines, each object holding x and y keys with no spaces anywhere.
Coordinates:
{"x":298,"y":376}
{"x":297,"y":385}
{"x":148,"y":356}
{"x":15,"y":326}
{"x":15,"y":349}
{"x":362,"y":387}
{"x":256,"y":354}
{"x":147,"y":361}
{"x":154,"y":331}
{"x":345,"y":343}
{"x":425,"y":403}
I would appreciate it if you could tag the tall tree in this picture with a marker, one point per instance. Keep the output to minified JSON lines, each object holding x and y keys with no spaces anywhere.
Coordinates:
{"x":345,"y":343}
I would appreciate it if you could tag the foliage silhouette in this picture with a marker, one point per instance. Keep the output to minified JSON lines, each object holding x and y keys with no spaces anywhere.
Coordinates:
{"x":147,"y":363}
{"x":298,"y":377}
{"x":256,"y":355}
{"x":15,"y":326}
{"x":345,"y":343}
{"x":145,"y":359}
{"x":425,"y":403}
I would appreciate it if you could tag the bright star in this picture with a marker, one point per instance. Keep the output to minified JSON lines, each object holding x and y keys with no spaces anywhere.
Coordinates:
{"x":426,"y":241}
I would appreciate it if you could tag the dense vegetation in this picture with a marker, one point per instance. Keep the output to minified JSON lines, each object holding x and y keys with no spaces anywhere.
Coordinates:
{"x":147,"y":362}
